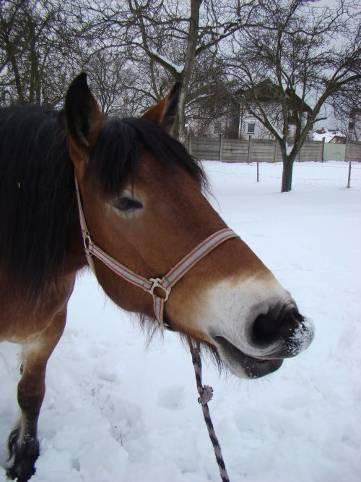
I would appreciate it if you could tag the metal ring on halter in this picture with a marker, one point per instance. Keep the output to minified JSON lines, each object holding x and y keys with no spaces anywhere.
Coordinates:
{"x":157,"y":283}
{"x":87,"y":242}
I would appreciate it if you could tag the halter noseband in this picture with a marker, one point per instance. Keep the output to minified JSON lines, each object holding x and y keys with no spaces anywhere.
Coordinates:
{"x":158,"y":288}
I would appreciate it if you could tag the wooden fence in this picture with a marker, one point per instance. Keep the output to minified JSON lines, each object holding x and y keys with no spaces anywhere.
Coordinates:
{"x":236,"y":150}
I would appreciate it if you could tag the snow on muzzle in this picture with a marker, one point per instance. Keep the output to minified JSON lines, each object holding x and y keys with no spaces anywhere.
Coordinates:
{"x":280,"y":333}
{"x":253,"y":334}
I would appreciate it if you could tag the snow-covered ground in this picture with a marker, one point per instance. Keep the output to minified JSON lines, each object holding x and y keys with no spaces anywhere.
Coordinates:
{"x":117,"y":410}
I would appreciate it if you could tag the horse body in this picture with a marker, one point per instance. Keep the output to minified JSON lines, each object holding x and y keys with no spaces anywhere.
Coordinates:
{"x":143,"y":202}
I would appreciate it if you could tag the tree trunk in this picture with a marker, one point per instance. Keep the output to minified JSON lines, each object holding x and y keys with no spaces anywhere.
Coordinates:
{"x":232,"y":130}
{"x":287,"y":174}
{"x":17,"y":76}
{"x":188,"y":65}
{"x":180,"y":120}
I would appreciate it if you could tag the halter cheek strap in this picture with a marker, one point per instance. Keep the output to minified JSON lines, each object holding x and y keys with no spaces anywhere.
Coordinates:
{"x":160,"y":287}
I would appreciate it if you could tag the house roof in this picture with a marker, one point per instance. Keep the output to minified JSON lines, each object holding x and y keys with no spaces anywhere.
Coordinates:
{"x":267,"y":91}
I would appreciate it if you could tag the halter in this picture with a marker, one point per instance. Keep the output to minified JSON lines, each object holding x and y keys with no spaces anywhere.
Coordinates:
{"x":158,"y":287}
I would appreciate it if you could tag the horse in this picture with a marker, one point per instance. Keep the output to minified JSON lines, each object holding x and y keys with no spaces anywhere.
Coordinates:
{"x":80,"y":189}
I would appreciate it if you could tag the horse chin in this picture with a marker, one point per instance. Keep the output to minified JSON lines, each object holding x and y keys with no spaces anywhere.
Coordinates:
{"x":242,"y":365}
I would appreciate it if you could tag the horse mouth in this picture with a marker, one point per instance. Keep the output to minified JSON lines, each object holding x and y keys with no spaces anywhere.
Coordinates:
{"x":252,"y":367}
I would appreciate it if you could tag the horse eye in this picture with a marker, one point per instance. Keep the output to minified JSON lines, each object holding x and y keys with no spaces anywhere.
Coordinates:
{"x":127,"y":204}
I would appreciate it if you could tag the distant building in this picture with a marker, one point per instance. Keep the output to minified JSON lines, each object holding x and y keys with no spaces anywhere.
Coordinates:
{"x":250,"y":126}
{"x":269,"y":96}
{"x":238,"y":122}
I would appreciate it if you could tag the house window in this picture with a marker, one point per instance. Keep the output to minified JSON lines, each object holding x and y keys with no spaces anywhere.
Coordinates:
{"x":251,"y":127}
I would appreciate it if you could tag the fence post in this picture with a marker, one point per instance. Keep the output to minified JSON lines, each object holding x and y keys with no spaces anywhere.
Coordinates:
{"x":275,"y":151}
{"x":349,"y":174}
{"x":220,"y":154}
{"x":257,"y":171}
{"x":249,"y":148}
{"x":323,"y":150}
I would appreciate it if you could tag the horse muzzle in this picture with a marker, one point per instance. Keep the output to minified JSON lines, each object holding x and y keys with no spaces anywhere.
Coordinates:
{"x":281,"y":333}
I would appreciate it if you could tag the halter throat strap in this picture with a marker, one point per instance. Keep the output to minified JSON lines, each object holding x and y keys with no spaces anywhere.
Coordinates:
{"x":158,"y":287}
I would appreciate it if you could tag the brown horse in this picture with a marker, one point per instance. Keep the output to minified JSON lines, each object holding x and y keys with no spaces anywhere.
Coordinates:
{"x":142,"y":201}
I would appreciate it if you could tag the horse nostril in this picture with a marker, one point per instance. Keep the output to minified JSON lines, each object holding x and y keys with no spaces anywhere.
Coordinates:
{"x":265,"y":330}
{"x":275,"y":325}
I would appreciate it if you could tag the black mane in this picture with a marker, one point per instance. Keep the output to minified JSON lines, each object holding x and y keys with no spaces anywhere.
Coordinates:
{"x":119,"y":147}
{"x":36,"y":196}
{"x":38,"y":211}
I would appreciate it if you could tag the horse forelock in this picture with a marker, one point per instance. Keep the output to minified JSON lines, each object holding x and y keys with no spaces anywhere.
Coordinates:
{"x":121,"y":146}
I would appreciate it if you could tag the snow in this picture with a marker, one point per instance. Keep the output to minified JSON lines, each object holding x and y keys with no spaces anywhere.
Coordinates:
{"x":328,"y":135}
{"x":121,"y":409}
{"x":178,"y":68}
{"x":289,"y":148}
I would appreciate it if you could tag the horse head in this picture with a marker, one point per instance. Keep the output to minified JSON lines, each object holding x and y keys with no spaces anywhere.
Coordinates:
{"x":144,"y":203}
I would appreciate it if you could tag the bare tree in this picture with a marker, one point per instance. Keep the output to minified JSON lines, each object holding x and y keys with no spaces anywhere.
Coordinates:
{"x":25,"y":40}
{"x":346,"y":106}
{"x":288,"y":66}
{"x":11,"y":47}
{"x":41,"y":48}
{"x":106,"y":73}
{"x":172,"y":35}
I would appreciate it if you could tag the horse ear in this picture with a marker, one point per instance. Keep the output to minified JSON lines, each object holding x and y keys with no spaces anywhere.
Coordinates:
{"x":164,"y":113}
{"x":83,"y":117}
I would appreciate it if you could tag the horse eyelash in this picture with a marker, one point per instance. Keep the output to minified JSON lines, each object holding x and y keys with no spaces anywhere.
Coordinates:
{"x":125,"y":203}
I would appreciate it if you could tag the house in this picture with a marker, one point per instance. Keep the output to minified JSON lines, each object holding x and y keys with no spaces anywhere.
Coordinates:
{"x":269,"y":95}
{"x":236,"y":120}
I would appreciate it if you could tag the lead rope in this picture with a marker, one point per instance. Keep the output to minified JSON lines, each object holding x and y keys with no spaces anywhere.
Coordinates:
{"x":205,"y":395}
{"x":165,"y":284}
